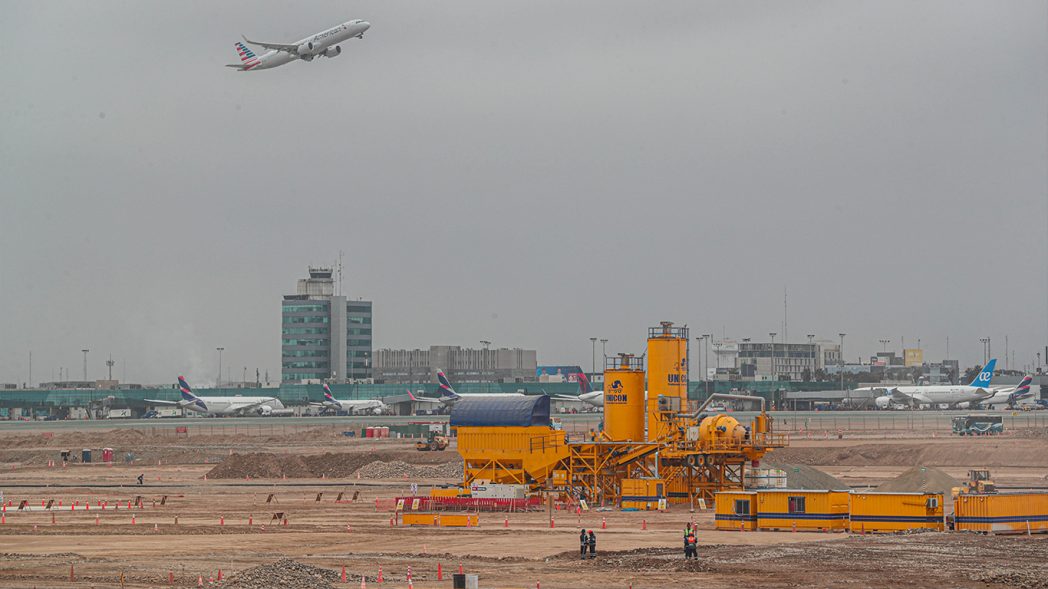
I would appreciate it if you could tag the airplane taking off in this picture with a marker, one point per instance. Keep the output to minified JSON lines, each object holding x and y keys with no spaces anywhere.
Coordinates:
{"x":376,"y":406}
{"x":449,"y":397}
{"x":237,"y":405}
{"x":324,"y":43}
{"x":586,"y":393}
{"x":1009,"y":396}
{"x":953,"y":395}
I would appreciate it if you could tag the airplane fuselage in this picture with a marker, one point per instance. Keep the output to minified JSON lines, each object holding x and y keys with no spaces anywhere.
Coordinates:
{"x":237,"y":405}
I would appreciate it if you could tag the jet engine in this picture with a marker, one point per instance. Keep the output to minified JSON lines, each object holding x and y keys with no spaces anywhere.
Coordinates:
{"x":265,"y":411}
{"x":332,"y":51}
{"x":305,"y":49}
{"x":883,"y":402}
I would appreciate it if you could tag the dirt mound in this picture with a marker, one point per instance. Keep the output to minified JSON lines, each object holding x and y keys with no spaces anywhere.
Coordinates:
{"x":801,"y":476}
{"x":921,"y":479}
{"x":953,"y":452}
{"x":284,"y":573}
{"x":263,"y":465}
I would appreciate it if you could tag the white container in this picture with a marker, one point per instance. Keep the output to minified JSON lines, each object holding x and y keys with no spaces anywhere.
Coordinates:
{"x":472,"y":581}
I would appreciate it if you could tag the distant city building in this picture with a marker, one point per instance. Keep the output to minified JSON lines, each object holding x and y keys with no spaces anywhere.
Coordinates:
{"x":460,"y":364}
{"x":763,"y":361}
{"x":324,"y":336}
{"x":913,"y":357}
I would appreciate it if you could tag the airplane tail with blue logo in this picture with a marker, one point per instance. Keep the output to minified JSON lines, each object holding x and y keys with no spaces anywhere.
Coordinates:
{"x":446,"y":390}
{"x":188,"y":398}
{"x":248,"y":59}
{"x":985,"y":375}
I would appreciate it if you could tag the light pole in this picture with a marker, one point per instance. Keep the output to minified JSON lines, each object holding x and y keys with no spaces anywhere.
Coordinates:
{"x":85,"y":351}
{"x":604,"y":348}
{"x":706,"y":351}
{"x":773,"y":334}
{"x":593,"y":368}
{"x":840,"y":362}
{"x":110,"y":364}
{"x":811,"y":353}
{"x":985,"y":342}
{"x":884,"y":344}
{"x":219,"y":383}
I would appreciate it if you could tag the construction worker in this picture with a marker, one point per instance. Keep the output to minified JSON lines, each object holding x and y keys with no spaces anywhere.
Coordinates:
{"x":592,"y":541}
{"x":691,"y":545}
{"x":583,"y":542}
{"x":141,"y":478}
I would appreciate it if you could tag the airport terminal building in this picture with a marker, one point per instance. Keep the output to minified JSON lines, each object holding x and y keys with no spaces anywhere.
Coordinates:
{"x":324,"y":336}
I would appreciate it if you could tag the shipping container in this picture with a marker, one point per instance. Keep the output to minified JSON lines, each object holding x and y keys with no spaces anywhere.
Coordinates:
{"x":893,"y":512}
{"x":1001,"y":513}
{"x":736,"y":510}
{"x":643,"y":494}
{"x":786,"y":509}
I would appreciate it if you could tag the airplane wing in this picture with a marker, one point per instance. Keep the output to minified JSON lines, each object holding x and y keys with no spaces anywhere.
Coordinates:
{"x":159,"y":402}
{"x":424,"y":399}
{"x":565,"y":398}
{"x":250,"y":406}
{"x":292,"y":49}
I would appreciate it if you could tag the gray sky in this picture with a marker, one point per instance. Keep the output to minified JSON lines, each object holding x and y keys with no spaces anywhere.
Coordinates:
{"x":531,"y":173}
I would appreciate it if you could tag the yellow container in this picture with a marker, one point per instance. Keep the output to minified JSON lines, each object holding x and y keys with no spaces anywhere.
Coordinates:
{"x":642,"y":494}
{"x":444,"y":492}
{"x":893,"y":512}
{"x":736,"y":510}
{"x":1003,"y":513}
{"x":624,"y":405}
{"x":511,"y":455}
{"x":667,"y":373}
{"x":420,"y":519}
{"x":785,"y":509}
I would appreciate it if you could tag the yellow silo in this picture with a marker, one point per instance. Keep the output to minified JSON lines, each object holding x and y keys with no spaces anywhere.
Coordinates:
{"x":667,"y":374}
{"x":624,"y":400}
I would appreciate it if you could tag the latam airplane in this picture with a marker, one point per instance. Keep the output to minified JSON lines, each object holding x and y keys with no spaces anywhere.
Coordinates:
{"x":227,"y":406}
{"x":449,"y":397}
{"x":586,"y":393}
{"x":375,"y":406}
{"x":953,"y":395}
{"x":1009,"y":396}
{"x":324,"y":43}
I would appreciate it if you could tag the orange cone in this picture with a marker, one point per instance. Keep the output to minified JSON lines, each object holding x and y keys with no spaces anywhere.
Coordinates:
{"x":200,"y":581}
{"x":505,"y":523}
{"x":380,"y":574}
{"x":219,"y":574}
{"x":170,"y":577}
{"x":460,"y":568}
{"x":3,"y":519}
{"x":644,"y":524}
{"x":552,"y":523}
{"x":603,"y":523}
{"x":363,"y":583}
{"x":440,"y":573}
{"x":343,"y":573}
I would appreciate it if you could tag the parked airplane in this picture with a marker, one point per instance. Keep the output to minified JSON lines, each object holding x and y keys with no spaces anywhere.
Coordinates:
{"x":1009,"y":396}
{"x":236,"y":405}
{"x":952,"y":395}
{"x":586,"y":393}
{"x":324,"y":43}
{"x":449,"y":397}
{"x":375,"y":406}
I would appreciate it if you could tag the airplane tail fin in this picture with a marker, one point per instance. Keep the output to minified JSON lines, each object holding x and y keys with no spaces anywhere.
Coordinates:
{"x":1022,"y":390}
{"x":985,"y":375}
{"x":411,"y":396}
{"x":446,"y":390}
{"x":584,"y":384}
{"x":248,"y":59}
{"x":327,"y":394}
{"x":188,"y":398}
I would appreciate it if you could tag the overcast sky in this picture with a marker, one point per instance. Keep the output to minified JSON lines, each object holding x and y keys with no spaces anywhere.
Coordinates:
{"x":530,"y":173}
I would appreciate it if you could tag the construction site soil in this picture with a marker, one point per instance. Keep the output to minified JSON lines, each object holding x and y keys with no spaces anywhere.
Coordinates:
{"x":189,"y":527}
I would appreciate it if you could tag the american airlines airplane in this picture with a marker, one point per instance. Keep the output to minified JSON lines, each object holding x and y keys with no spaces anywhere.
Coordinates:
{"x":375,"y":406}
{"x":228,"y":406}
{"x":449,"y":397}
{"x":953,"y":395}
{"x":324,"y":43}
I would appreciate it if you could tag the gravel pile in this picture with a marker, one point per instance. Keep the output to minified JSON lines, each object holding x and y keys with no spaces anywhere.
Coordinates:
{"x":801,"y":476}
{"x":284,"y":573}
{"x":921,"y":479}
{"x":399,"y":469}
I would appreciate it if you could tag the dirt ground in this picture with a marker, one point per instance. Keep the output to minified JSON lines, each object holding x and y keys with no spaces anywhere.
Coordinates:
{"x":506,"y":550}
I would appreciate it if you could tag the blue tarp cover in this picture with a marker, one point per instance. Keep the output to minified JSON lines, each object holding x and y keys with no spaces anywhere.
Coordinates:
{"x":510,"y":410}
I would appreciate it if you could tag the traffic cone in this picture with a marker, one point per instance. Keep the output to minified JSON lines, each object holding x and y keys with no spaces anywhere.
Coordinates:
{"x":250,"y":519}
{"x":460,"y":568}
{"x":603,"y":523}
{"x":97,"y":522}
{"x":552,"y":523}
{"x":200,"y":580}
{"x":409,"y":572}
{"x":221,"y":520}
{"x":219,"y":574}
{"x":380,"y":574}
{"x":505,"y":523}
{"x":343,"y":573}
{"x":440,"y":573}
{"x":132,"y":519}
{"x":644,"y":524}
{"x":170,"y":577}
{"x":3,"y":518}
{"x":363,"y":583}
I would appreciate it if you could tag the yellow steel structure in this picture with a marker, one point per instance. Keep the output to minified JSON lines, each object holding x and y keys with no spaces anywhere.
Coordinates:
{"x":624,"y":401}
{"x":1001,"y":513}
{"x":694,"y":458}
{"x":894,"y":512}
{"x":785,"y":509}
{"x":667,"y":376}
{"x":736,"y":510}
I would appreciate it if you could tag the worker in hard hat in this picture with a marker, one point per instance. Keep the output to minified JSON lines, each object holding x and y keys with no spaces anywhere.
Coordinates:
{"x":583,"y":543}
{"x":691,"y":545}
{"x":592,"y":541}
